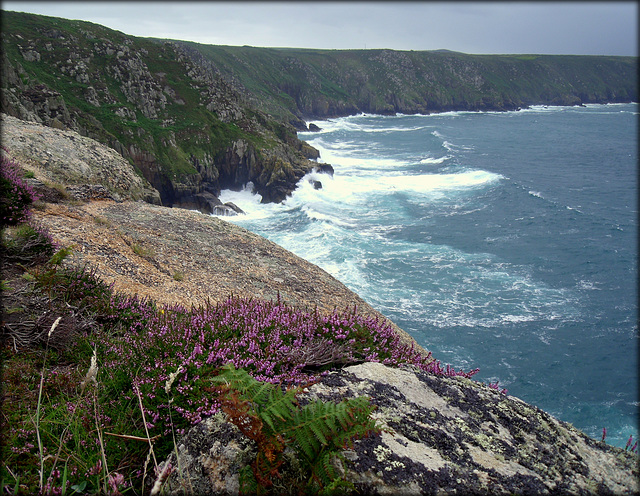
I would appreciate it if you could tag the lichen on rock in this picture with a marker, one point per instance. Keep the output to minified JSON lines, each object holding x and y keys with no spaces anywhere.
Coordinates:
{"x":441,"y":435}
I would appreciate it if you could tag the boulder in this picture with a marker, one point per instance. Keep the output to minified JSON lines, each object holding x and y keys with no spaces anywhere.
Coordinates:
{"x":441,"y":435}
{"x":234,"y":207}
{"x":308,"y":151}
{"x":65,"y":157}
{"x":314,"y":128}
{"x":316,"y":184}
{"x":324,"y":169}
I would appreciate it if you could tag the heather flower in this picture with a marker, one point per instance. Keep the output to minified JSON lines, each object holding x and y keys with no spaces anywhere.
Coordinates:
{"x":628,"y":445}
{"x":15,"y":194}
{"x":273,"y":342}
{"x":115,"y":481}
{"x":95,"y":469}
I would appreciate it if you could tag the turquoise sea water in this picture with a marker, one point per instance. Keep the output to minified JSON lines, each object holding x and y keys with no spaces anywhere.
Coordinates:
{"x":504,"y":241}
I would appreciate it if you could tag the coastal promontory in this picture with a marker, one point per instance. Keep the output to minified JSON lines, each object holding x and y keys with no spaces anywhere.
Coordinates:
{"x":194,"y":119}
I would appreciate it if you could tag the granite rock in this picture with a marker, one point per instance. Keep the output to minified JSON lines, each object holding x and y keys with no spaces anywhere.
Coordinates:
{"x":74,"y":161}
{"x":441,"y":435}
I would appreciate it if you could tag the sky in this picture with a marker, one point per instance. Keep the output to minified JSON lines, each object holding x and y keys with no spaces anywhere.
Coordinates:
{"x":570,"y":28}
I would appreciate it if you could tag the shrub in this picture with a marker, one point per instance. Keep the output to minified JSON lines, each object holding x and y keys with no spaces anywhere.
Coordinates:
{"x":77,"y":287}
{"x":273,"y":342}
{"x":16,"y":196}
{"x":29,"y":241}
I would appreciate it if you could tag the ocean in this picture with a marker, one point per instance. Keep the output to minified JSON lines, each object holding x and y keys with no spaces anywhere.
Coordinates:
{"x":505,"y":241}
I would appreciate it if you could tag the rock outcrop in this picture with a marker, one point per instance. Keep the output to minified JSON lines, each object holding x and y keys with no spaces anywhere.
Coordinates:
{"x":68,"y":159}
{"x":440,"y":436}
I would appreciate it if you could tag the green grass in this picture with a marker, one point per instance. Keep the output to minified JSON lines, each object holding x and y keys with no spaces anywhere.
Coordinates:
{"x":142,"y":251}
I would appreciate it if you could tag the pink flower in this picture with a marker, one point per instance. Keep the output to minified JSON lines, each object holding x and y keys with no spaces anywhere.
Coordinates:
{"x":115,"y":481}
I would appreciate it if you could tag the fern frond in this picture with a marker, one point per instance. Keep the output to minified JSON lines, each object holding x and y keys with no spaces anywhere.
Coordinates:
{"x":320,"y":424}
{"x":269,"y":402}
{"x":279,"y":409}
{"x":317,"y":431}
{"x":326,"y":475}
{"x":232,"y":378}
{"x":310,"y":427}
{"x":248,"y":482}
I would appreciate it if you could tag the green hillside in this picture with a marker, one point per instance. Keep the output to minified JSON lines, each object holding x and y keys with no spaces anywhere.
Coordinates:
{"x":185,"y":128}
{"x":320,"y":83}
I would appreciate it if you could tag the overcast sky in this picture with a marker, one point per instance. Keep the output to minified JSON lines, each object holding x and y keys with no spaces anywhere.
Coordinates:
{"x":577,"y":28}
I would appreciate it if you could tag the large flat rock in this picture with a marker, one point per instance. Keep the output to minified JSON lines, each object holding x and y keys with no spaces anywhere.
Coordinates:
{"x":441,"y":435}
{"x":183,"y":257}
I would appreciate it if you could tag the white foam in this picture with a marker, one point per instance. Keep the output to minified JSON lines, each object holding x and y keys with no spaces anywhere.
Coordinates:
{"x":357,"y":190}
{"x":435,"y":161}
{"x":392,"y":129}
{"x":251,"y":204}
{"x":589,"y":285}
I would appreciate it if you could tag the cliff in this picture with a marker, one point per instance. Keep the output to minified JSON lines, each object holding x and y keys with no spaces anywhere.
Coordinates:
{"x":183,"y":127}
{"x":316,"y":84}
{"x":195,"y":119}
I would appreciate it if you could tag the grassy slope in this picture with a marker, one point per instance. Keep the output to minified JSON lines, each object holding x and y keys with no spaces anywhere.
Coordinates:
{"x":197,"y":130}
{"x":423,"y":80}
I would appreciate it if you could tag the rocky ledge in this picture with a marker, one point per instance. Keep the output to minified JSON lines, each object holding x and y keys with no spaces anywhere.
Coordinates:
{"x":67,"y":158}
{"x":440,"y":436}
{"x":181,"y":257}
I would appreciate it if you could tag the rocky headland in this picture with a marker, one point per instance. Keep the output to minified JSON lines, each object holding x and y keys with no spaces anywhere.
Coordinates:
{"x":195,"y":119}
{"x":441,"y":435}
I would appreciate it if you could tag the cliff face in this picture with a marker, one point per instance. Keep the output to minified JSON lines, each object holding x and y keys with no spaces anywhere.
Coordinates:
{"x":194,"y":119}
{"x":325,"y":83}
{"x":185,"y":129}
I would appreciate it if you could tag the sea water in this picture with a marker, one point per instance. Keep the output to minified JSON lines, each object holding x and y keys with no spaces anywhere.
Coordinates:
{"x":500,"y":240}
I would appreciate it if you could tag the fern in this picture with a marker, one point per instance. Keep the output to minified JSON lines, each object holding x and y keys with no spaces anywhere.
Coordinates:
{"x":317,"y":432}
